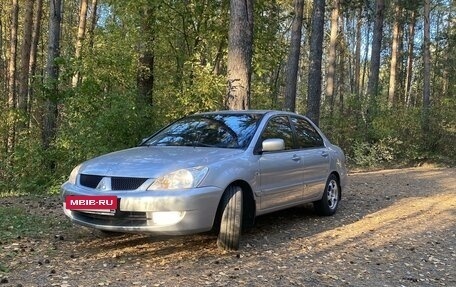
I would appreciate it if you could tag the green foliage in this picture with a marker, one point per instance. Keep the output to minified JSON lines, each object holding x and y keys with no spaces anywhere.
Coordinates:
{"x":385,"y":151}
{"x":201,"y":91}
{"x":395,"y":136}
{"x":26,"y":172}
{"x":188,"y":40}
{"x":270,"y":52}
{"x":97,"y":122}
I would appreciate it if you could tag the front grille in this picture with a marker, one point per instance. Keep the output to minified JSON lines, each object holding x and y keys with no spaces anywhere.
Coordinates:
{"x":117,"y":183}
{"x":126,"y":183}
{"x":90,"y":180}
{"x":120,"y":218}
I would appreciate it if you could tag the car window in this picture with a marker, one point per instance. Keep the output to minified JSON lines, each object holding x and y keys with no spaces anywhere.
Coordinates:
{"x":279,"y":127}
{"x":209,"y":130}
{"x":306,"y":135}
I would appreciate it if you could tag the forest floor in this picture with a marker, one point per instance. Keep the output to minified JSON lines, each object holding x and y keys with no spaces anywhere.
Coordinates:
{"x":393,"y":228}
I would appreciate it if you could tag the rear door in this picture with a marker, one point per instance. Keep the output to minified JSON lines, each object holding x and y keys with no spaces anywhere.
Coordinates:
{"x":280,"y":171}
{"x":314,"y":158}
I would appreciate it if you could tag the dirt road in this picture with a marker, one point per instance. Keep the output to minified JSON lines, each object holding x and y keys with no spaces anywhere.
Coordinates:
{"x":393,"y":228}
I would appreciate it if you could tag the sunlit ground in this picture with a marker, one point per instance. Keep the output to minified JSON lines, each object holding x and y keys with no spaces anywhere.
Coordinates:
{"x":393,"y":228}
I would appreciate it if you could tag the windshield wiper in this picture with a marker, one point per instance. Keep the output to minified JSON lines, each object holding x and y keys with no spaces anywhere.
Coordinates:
{"x":204,"y":145}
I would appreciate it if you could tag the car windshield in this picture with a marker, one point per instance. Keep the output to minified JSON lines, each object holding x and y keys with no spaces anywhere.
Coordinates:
{"x":209,"y":130}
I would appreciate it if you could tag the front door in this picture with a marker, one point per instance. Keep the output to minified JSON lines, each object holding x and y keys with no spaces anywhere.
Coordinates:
{"x":280,"y":171}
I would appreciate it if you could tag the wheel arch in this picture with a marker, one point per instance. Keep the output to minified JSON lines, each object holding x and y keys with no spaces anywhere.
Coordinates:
{"x":248,"y":208}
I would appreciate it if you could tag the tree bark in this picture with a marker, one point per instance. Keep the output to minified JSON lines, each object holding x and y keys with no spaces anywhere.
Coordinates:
{"x":315,"y":58}
{"x":239,"y":64}
{"x":3,"y":77}
{"x":25,"y":57}
{"x":372,"y":86}
{"x":365,"y":59}
{"x":93,"y":22}
{"x":394,"y":56}
{"x":79,"y":40}
{"x":427,"y":65}
{"x":293,"y":57}
{"x":12,"y":76}
{"x":341,"y":71}
{"x":33,"y":52}
{"x":358,"y":53}
{"x":331,"y":74}
{"x":145,"y":76}
{"x":410,"y":57}
{"x":52,"y":74}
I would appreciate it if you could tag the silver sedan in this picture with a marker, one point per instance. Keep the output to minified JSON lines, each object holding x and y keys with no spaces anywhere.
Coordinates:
{"x":211,"y":171}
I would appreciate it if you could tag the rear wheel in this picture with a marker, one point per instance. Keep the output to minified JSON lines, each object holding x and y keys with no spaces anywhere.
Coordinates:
{"x":328,"y":204}
{"x":231,"y":219}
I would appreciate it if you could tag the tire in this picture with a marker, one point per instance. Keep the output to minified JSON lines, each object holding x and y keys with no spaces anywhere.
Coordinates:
{"x":231,"y":219}
{"x":328,"y":204}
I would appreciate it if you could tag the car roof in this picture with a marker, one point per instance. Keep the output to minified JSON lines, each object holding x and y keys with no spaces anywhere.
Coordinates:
{"x":241,"y":112}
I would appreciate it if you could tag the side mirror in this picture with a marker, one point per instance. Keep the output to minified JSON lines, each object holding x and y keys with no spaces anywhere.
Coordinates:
{"x":272,"y":145}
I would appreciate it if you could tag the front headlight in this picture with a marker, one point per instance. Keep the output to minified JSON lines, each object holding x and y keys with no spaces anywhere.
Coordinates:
{"x":74,"y":174}
{"x":179,"y":179}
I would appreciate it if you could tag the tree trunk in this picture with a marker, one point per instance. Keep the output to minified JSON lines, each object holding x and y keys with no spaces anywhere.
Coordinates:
{"x":93,"y":22}
{"x":12,"y":76}
{"x":358,"y":53}
{"x":315,"y":57}
{"x":275,"y":85}
{"x":372,"y":86}
{"x":79,"y":40}
{"x":341,"y":70}
{"x":400,"y":75}
{"x":427,"y":66}
{"x":293,"y":57}
{"x":448,"y":54}
{"x":394,"y":56}
{"x":365,"y":58}
{"x":33,"y":52}
{"x":330,"y":76}
{"x":145,"y":76}
{"x":25,"y":57}
{"x":410,"y":57}
{"x":219,"y":57}
{"x":240,"y":41}
{"x":3,"y":77}
{"x":52,"y":74}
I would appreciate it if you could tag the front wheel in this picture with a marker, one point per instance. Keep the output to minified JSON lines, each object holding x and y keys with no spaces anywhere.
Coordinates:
{"x":328,"y":204}
{"x":231,"y":219}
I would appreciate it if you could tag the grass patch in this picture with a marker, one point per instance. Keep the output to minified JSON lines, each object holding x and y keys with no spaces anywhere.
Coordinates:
{"x":4,"y":193}
{"x":3,"y":268}
{"x":15,"y":222}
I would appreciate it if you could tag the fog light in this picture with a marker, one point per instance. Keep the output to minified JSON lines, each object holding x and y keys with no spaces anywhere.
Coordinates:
{"x":167,"y":217}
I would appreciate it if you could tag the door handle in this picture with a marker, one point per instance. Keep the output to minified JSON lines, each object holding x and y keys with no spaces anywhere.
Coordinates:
{"x":296,"y":158}
{"x":324,"y":154}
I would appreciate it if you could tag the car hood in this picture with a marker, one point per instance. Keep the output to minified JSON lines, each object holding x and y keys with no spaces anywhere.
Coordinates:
{"x":154,"y":161}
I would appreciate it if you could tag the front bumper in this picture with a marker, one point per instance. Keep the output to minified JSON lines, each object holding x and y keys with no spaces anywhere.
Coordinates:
{"x":134,"y":213}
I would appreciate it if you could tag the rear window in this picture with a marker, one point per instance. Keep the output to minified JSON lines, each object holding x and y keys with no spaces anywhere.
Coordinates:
{"x":306,"y":135}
